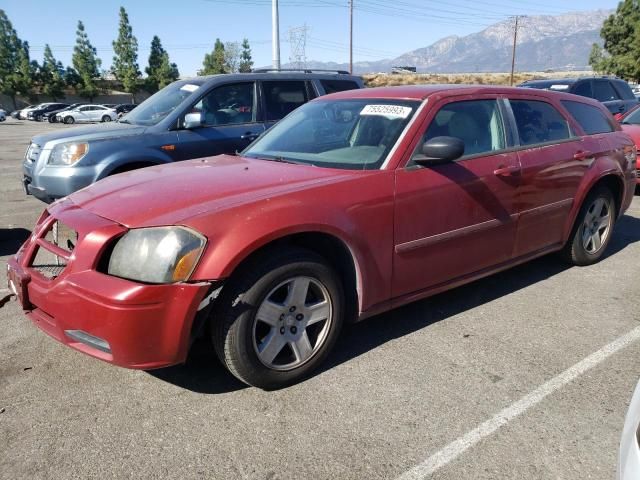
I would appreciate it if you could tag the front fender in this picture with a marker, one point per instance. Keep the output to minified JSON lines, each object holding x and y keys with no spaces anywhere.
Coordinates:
{"x":119,"y":159}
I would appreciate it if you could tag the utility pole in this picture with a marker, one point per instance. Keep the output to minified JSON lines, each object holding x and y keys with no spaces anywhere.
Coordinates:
{"x":275,"y":34}
{"x":351,"y":36}
{"x":513,"y":53}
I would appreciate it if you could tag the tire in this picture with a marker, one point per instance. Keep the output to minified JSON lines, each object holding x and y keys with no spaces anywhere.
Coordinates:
{"x":296,"y":347}
{"x":69,"y":120}
{"x":106,"y":118}
{"x":593,"y":228}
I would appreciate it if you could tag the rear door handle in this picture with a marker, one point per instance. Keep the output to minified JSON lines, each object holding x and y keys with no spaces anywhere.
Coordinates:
{"x":582,"y":155}
{"x":249,"y":136}
{"x":506,"y":171}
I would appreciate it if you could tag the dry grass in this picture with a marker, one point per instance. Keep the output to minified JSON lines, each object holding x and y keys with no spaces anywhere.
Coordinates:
{"x":384,"y":80}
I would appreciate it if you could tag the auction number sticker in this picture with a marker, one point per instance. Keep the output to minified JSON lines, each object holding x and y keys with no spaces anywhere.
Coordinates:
{"x":189,"y":87}
{"x":389,"y":111}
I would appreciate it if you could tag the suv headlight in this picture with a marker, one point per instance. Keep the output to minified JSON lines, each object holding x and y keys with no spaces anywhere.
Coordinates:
{"x":67,"y":154}
{"x":156,"y":254}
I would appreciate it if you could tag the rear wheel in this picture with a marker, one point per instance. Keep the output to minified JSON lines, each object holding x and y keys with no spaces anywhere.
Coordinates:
{"x":592,"y":232}
{"x":277,"y":320}
{"x":69,"y":120}
{"x":106,"y":118}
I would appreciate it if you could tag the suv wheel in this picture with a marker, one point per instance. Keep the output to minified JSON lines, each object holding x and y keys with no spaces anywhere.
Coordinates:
{"x":278,"y":318}
{"x":593,"y":228}
{"x":106,"y":118}
{"x":69,"y":120}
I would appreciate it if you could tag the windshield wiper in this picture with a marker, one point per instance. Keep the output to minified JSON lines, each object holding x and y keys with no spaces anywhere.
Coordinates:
{"x":279,"y":159}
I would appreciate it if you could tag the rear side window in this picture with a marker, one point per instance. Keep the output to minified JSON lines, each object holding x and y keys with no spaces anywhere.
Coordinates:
{"x":539,"y":122}
{"x":603,"y":91}
{"x":624,"y":90}
{"x":283,"y":97}
{"x":333,"y":86}
{"x":590,"y":118}
{"x":583,"y":89}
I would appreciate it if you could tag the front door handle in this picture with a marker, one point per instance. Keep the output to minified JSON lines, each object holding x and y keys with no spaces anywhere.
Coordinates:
{"x":249,"y":136}
{"x":506,"y":171}
{"x":582,"y":155}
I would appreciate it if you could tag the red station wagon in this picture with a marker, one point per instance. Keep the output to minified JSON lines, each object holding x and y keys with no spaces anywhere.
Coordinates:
{"x":354,"y":204}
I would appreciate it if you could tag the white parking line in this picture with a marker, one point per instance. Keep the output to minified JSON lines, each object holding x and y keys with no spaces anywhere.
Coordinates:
{"x":468,"y":440}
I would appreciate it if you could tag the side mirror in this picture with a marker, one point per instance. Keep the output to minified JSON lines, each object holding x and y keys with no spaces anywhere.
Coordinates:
{"x":440,"y":150}
{"x":192,"y":120}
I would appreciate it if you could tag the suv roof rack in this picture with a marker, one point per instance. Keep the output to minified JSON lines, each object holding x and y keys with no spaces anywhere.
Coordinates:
{"x":303,"y":70}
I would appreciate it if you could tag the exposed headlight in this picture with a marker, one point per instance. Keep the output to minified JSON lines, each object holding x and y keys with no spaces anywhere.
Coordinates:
{"x":68,"y":153}
{"x":157,"y":255}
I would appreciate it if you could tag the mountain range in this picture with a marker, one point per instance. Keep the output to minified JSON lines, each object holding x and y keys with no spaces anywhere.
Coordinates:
{"x":545,"y":42}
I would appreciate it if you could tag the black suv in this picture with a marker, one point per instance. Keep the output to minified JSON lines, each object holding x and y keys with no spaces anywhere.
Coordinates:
{"x":614,"y":93}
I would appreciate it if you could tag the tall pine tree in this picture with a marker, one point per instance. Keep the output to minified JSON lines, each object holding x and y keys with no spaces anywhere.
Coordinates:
{"x":621,"y":34}
{"x":246,"y":62}
{"x":12,"y":56}
{"x":160,"y":72}
{"x":52,"y":75}
{"x":86,"y":64}
{"x":214,"y":62}
{"x":125,"y":60}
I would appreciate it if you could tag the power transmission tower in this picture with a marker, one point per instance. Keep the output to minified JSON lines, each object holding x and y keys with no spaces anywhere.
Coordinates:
{"x":351,"y":37}
{"x":517,"y":24}
{"x":298,"y":43}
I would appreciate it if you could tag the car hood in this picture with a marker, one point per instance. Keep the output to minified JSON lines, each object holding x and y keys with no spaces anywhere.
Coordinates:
{"x":170,"y":194}
{"x":94,"y":132}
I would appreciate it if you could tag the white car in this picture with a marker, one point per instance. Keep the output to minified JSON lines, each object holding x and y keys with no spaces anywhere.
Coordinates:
{"x":22,"y":114}
{"x":88,"y":113}
{"x":629,"y":458}
{"x":3,"y":115}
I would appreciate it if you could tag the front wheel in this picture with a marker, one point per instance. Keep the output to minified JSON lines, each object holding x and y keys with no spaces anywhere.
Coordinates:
{"x":106,"y":118}
{"x":278,"y":319}
{"x":592,"y":232}
{"x":69,"y":120}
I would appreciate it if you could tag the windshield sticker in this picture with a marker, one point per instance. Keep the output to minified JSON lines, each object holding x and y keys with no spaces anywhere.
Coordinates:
{"x":559,"y":87}
{"x":389,"y":111}
{"x":189,"y":87}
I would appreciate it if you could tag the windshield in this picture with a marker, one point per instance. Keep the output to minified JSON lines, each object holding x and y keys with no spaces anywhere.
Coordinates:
{"x":155,"y":108}
{"x":632,"y":118}
{"x":349,"y":134}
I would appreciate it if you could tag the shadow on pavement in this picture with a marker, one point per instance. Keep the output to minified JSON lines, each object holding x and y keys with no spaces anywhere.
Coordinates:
{"x":11,"y":239}
{"x":203,"y":373}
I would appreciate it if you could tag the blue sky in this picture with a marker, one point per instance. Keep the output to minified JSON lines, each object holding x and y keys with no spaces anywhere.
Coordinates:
{"x":188,"y":29}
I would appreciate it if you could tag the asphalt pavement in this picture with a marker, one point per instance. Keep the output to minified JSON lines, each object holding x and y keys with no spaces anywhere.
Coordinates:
{"x":523,"y":375}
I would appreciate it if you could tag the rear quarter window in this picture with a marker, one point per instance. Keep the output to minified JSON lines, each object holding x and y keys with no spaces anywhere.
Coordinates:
{"x":624,"y":90}
{"x":590,"y":118}
{"x":333,"y":86}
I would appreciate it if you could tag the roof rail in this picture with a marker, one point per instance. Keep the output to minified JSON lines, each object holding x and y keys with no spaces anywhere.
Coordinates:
{"x":303,"y":70}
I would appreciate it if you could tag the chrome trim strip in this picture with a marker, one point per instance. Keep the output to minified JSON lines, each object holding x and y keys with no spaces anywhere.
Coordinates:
{"x":404,"y":133}
{"x":441,"y":237}
{"x":548,"y":207}
{"x":90,"y":340}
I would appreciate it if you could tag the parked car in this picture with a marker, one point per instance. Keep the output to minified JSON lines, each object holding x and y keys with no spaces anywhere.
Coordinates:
{"x":630,"y":123}
{"x":51,"y":117}
{"x":21,"y":114}
{"x":124,"y":108}
{"x":3,"y":115}
{"x":87,"y":113}
{"x":354,"y":204}
{"x":615,"y":93}
{"x":24,"y":113}
{"x":187,"y":119}
{"x":109,"y":105}
{"x":37,"y":113}
{"x":629,"y":456}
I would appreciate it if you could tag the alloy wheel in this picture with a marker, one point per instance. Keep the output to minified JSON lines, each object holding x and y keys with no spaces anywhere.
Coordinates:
{"x":597,"y":225}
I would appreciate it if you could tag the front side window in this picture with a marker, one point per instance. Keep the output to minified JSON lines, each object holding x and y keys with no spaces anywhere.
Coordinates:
{"x":349,"y":134}
{"x":228,"y":105}
{"x":477,"y":123}
{"x":539,"y":122}
{"x":283,"y":97}
{"x":590,"y":118}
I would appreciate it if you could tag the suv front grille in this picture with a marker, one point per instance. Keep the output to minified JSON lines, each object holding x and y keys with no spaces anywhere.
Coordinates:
{"x":33,"y":152}
{"x":54,"y":250}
